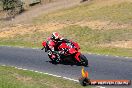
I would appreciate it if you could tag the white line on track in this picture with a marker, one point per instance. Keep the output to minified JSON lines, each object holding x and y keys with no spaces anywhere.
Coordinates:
{"x":106,"y":55}
{"x":100,"y":87}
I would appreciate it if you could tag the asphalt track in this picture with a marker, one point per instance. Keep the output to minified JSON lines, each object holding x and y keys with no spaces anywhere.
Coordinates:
{"x":101,"y":67}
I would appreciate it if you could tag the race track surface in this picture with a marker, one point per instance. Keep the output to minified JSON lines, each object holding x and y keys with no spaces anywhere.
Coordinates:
{"x":101,"y":67}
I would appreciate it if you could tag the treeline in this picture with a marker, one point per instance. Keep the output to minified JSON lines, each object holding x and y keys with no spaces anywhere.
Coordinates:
{"x":12,"y":4}
{"x":14,"y":7}
{"x":11,"y":7}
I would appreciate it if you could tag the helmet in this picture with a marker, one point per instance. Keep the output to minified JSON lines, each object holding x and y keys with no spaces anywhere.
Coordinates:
{"x":55,"y":35}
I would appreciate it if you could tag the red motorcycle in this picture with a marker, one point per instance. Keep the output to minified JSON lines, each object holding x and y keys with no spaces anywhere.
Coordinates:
{"x":70,"y":53}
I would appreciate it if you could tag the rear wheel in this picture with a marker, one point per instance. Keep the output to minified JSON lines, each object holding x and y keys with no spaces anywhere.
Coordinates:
{"x":84,"y":60}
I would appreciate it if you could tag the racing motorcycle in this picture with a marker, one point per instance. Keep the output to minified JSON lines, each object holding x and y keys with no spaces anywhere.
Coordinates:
{"x":70,"y":53}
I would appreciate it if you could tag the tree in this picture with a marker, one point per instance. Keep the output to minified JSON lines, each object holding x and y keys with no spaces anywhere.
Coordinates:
{"x":12,"y":7}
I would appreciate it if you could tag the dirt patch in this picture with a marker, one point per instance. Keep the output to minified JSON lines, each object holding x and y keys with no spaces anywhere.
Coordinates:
{"x":50,"y":27}
{"x":103,"y":3}
{"x":20,"y":29}
{"x":93,"y":24}
{"x":22,"y":78}
{"x":29,"y":29}
{"x":97,"y":24}
{"x":119,"y":44}
{"x":43,"y":9}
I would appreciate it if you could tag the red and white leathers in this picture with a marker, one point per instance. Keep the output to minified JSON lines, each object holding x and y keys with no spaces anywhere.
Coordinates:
{"x":52,"y":44}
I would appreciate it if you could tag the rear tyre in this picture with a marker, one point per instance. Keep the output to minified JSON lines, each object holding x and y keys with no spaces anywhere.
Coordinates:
{"x":84,"y":60}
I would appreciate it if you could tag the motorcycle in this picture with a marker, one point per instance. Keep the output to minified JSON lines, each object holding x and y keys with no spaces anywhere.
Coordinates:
{"x":70,"y":53}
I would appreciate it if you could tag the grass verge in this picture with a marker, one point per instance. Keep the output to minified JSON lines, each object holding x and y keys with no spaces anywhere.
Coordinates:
{"x":14,"y":78}
{"x":88,"y":39}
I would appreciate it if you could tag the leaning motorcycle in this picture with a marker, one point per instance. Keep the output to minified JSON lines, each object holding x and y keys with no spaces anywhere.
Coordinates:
{"x":70,"y":53}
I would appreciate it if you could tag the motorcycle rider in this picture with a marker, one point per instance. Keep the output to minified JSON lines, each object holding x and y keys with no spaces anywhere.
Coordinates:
{"x":52,"y":43}
{"x":57,"y":46}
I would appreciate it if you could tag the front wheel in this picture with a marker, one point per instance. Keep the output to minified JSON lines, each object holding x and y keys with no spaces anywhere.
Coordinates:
{"x":54,"y":60}
{"x":84,"y":60}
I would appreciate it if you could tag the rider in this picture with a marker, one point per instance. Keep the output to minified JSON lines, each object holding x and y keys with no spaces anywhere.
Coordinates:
{"x":52,"y":44}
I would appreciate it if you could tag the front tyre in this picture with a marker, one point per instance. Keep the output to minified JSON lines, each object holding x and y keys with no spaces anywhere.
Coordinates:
{"x":84,"y":60}
{"x":54,"y":60}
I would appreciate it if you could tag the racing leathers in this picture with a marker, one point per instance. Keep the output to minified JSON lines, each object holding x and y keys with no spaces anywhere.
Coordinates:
{"x":53,"y":48}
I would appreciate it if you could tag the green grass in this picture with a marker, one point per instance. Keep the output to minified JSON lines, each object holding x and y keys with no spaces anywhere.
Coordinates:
{"x":88,"y":39}
{"x":121,"y":13}
{"x":116,"y":13}
{"x":110,"y":51}
{"x":14,"y":78}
